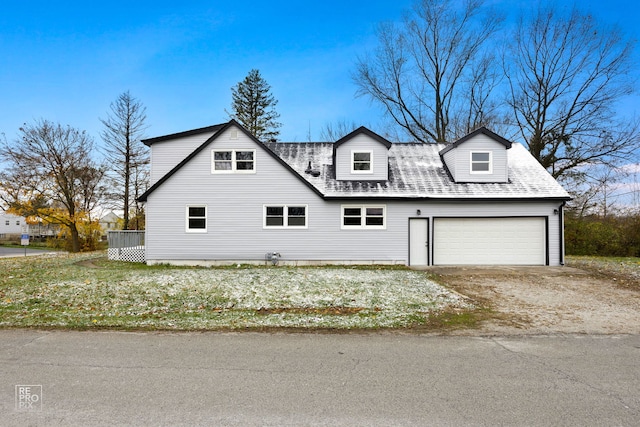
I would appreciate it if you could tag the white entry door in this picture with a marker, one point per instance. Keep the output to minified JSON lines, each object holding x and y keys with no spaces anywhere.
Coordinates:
{"x":418,"y":241}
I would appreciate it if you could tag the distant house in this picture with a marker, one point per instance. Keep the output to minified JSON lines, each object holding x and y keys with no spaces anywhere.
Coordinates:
{"x":220,"y":196}
{"x":110,"y":221}
{"x":12,"y":226}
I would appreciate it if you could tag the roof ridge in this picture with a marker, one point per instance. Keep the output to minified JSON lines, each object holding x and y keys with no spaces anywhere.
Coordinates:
{"x":212,"y":128}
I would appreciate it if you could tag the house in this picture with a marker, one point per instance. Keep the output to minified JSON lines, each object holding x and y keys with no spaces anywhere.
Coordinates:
{"x":220,"y":196}
{"x":110,"y":221}
{"x":12,"y":226}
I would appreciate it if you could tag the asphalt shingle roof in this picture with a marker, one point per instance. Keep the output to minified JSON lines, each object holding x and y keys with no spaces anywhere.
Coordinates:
{"x":417,"y":171}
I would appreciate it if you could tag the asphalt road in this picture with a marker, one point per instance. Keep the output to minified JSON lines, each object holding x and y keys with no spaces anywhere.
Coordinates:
{"x":17,"y":252}
{"x":244,"y":379}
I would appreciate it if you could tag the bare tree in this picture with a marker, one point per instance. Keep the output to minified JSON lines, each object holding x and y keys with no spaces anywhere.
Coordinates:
{"x":332,"y":132}
{"x":433,"y":68}
{"x":129,"y":159}
{"x":566,"y":74}
{"x":51,"y":175}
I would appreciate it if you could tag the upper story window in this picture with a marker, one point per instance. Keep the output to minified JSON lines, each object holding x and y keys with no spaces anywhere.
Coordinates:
{"x":196,"y":219}
{"x":362,"y":161}
{"x":284,"y":216}
{"x":233,"y":161}
{"x":481,"y":162}
{"x":363,"y":217}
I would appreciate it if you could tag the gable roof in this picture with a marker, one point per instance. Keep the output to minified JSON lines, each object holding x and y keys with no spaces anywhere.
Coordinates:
{"x":358,"y":131}
{"x":416,"y":171}
{"x":219,"y":131}
{"x":484,"y":131}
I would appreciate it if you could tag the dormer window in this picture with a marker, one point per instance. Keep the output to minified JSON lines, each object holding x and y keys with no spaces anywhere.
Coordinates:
{"x":362,"y":161}
{"x":481,"y":162}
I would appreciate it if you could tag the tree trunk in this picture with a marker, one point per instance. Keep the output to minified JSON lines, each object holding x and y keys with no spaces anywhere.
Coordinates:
{"x":75,"y":238}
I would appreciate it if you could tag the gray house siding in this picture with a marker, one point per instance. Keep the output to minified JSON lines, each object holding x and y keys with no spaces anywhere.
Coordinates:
{"x":235,"y":229}
{"x":458,"y":161}
{"x":362,"y":142}
{"x":167,"y":154}
{"x":235,"y":204}
{"x":235,"y":225}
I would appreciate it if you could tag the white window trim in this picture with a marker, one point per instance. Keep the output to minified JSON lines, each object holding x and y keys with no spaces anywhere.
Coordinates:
{"x":286,"y":216}
{"x":355,"y":171}
{"x":234,"y":168}
{"x":471,"y":163}
{"x":206,"y":219}
{"x":363,"y":223}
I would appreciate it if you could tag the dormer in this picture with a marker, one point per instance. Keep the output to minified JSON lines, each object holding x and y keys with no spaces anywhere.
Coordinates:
{"x":361,"y":155}
{"x":481,"y":156}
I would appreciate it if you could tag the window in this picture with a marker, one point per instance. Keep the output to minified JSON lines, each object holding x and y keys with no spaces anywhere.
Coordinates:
{"x":6,"y":222}
{"x":481,"y":162}
{"x":233,"y":161}
{"x":196,"y":219}
{"x":18,"y":222}
{"x":362,"y":162}
{"x":360,"y":217}
{"x":284,"y":216}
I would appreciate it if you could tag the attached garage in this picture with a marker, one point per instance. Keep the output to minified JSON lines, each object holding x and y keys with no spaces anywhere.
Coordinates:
{"x":490,"y":241}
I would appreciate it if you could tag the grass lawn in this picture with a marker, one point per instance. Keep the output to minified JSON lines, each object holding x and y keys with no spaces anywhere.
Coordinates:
{"x":83,"y":292}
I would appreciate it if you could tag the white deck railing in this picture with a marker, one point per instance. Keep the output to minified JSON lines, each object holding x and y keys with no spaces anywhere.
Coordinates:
{"x":126,"y":245}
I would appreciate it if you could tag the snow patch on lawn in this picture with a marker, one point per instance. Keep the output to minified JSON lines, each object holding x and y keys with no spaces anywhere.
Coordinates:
{"x":247,"y":298}
{"x":385,"y":297}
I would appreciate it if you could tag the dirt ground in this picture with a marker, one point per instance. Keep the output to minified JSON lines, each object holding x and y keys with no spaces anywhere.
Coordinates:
{"x":548,"y":300}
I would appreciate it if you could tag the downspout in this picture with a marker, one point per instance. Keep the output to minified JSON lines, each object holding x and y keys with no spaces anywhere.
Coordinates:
{"x":561,"y":228}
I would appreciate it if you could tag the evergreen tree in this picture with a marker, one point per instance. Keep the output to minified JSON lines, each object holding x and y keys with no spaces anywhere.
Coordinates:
{"x":253,"y":106}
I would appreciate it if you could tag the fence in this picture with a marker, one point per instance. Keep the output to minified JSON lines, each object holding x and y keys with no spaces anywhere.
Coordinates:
{"x":126,"y":245}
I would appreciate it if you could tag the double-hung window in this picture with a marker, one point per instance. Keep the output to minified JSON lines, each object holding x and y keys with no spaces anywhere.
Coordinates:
{"x":233,"y":161}
{"x":364,"y":217}
{"x":196,"y":219}
{"x":481,"y":162}
{"x":285,"y":216}
{"x":361,"y":162}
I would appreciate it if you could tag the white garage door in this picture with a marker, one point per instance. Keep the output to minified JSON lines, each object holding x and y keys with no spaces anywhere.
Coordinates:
{"x":489,"y":241}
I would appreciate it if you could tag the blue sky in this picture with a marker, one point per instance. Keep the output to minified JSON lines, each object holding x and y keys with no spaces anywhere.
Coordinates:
{"x":66,"y":61}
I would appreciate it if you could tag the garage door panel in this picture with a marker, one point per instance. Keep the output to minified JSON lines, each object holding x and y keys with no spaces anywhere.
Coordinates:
{"x":497,"y":241}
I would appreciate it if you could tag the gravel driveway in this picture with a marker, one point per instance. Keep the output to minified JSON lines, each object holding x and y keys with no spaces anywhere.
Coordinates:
{"x":592,"y":299}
